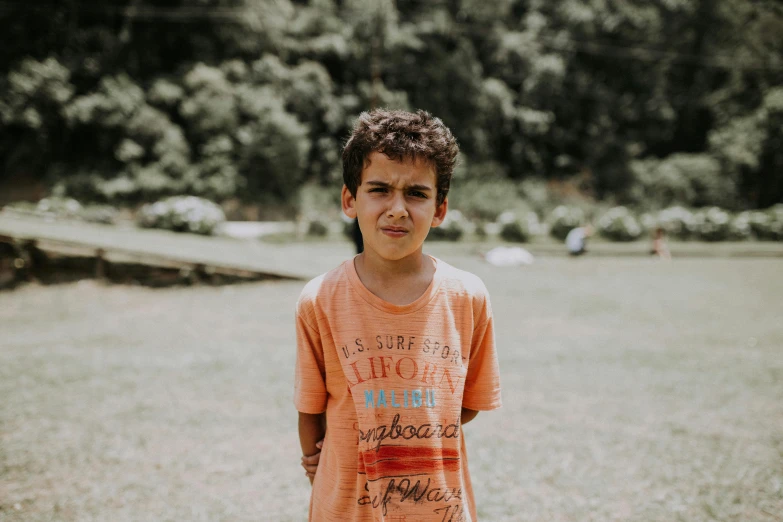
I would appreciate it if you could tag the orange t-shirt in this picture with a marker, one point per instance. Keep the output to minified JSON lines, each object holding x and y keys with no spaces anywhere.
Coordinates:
{"x":392,"y":381}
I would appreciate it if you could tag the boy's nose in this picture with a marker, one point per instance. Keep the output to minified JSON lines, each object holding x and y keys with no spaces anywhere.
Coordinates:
{"x":397,"y":207}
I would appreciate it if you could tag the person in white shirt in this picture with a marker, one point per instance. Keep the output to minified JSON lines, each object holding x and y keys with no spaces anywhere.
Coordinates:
{"x":576,"y":240}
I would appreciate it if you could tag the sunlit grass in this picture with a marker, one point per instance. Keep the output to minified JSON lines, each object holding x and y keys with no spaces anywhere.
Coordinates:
{"x":633,"y":390}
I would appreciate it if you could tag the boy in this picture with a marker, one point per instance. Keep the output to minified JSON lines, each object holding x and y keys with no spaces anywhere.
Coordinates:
{"x":395,"y":349}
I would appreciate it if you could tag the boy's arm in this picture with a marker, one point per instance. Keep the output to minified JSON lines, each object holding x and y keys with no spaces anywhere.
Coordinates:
{"x":312,"y":428}
{"x":467,"y":415}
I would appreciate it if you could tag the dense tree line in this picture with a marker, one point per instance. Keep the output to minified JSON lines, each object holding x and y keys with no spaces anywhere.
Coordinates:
{"x":648,"y":103}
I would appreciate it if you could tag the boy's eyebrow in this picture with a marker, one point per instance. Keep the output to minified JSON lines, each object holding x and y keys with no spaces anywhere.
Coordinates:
{"x":409,"y":187}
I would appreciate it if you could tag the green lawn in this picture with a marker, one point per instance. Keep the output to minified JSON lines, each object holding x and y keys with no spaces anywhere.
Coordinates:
{"x":634,"y":391}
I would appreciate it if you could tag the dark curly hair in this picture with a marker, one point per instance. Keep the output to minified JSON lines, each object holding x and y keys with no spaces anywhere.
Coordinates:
{"x":400,"y":135}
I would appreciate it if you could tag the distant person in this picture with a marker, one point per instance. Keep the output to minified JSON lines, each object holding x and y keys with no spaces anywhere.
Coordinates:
{"x":395,"y":347}
{"x":576,"y":240}
{"x":659,"y":246}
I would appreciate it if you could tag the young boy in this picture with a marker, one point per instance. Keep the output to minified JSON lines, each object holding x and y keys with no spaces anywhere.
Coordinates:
{"x":395,"y":349}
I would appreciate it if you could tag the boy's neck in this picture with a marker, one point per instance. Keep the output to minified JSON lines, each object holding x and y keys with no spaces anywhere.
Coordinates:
{"x":376,"y":266}
{"x":399,"y":282}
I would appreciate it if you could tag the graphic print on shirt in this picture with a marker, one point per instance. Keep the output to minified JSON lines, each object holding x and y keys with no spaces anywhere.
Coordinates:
{"x":407,"y":391}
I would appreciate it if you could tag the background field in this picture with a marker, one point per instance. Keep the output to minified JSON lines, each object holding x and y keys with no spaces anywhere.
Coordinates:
{"x":634,"y":390}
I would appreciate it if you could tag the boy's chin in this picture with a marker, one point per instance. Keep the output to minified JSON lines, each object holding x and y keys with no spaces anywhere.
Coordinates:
{"x":394,"y":254}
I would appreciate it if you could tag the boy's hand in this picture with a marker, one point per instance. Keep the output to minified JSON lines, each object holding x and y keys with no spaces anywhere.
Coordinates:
{"x":310,"y":463}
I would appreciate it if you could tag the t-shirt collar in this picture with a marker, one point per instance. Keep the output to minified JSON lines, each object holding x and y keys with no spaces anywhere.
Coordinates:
{"x":380,"y":304}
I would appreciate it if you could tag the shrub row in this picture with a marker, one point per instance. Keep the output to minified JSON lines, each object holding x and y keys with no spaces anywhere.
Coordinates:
{"x":616,"y":224}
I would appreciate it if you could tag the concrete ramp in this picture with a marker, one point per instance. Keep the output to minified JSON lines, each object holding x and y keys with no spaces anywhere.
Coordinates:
{"x":156,"y":248}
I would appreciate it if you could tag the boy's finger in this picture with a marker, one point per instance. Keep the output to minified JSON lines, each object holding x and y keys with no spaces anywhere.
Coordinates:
{"x":311,"y":459}
{"x":319,"y":444}
{"x":311,"y":462}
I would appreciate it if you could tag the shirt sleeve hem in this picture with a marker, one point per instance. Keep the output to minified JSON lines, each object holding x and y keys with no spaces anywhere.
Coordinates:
{"x":313,"y":407}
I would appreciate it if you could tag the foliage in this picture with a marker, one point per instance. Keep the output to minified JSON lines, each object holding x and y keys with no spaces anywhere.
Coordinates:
{"x":681,"y":179}
{"x":103,"y":214}
{"x":739,"y":227}
{"x":273,"y":153}
{"x":484,"y":199}
{"x":31,"y":115}
{"x":649,"y":104}
{"x":317,"y":228}
{"x":768,"y":224}
{"x":315,"y":199}
{"x":536,"y":194}
{"x":619,"y":224}
{"x":563,"y":219}
{"x":182,"y":214}
{"x":453,"y":227}
{"x":62,"y":207}
{"x":677,"y":221}
{"x":137,"y":152}
{"x":59,"y":207}
{"x":750,"y":145}
{"x":34,"y":93}
{"x":712,"y":224}
{"x":518,"y":227}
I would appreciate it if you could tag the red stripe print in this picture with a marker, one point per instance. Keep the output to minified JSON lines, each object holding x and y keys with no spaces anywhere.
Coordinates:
{"x":391,"y":461}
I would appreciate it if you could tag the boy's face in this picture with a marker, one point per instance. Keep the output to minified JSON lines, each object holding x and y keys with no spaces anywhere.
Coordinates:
{"x":395,"y":205}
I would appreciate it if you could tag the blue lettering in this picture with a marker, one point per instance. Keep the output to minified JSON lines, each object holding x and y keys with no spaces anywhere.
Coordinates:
{"x":430,"y":397}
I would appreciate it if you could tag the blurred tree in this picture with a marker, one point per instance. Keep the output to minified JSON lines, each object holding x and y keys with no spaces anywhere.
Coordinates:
{"x":161,"y":95}
{"x":31,"y":114}
{"x":751,"y":147}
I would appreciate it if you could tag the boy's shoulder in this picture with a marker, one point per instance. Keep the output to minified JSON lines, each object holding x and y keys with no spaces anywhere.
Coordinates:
{"x":317,"y":286}
{"x":463,"y":280}
{"x":464,"y":286}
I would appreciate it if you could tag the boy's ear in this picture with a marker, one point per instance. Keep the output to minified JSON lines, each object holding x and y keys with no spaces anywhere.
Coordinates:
{"x":440,"y":213}
{"x":348,"y":203}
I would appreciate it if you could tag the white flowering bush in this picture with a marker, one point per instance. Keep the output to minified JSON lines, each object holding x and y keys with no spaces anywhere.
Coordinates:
{"x":518,"y":228}
{"x":768,"y":224}
{"x":619,"y":224}
{"x":63,"y":207}
{"x":563,"y":219}
{"x":648,"y":221}
{"x":182,"y":214}
{"x":677,"y":221}
{"x":739,"y":226}
{"x":452,"y":228}
{"x":712,"y":224}
{"x":776,"y":221}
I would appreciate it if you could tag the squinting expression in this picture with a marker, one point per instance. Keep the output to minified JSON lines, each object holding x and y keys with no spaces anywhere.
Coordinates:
{"x":395,"y":204}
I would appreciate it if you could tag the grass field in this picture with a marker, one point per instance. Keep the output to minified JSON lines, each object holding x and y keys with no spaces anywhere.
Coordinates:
{"x":633,"y":391}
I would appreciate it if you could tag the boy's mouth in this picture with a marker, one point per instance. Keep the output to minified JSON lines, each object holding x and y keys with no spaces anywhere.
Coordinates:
{"x":394,"y":231}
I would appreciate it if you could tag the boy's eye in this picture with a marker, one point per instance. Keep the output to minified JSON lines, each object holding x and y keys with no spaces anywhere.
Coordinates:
{"x":378,"y":189}
{"x":417,"y":194}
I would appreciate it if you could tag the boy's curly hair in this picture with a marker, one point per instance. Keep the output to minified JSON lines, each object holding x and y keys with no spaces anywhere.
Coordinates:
{"x":400,"y":135}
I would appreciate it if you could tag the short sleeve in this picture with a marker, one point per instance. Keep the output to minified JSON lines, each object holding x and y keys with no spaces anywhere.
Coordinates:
{"x":309,"y":379}
{"x":482,"y":383}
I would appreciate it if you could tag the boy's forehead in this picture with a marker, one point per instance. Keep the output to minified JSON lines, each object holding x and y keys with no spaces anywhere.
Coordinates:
{"x":380,"y":167}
